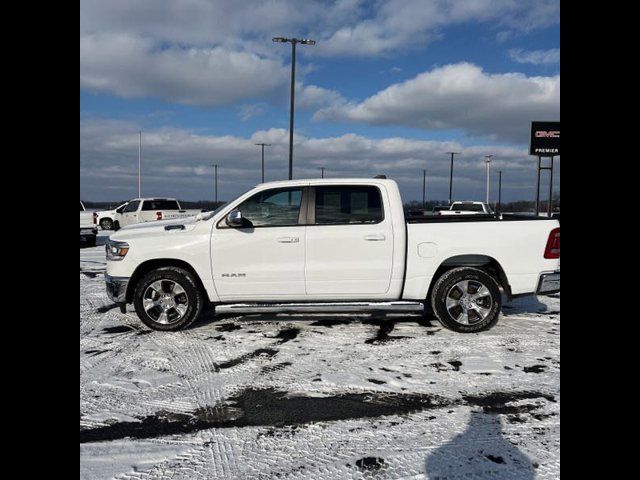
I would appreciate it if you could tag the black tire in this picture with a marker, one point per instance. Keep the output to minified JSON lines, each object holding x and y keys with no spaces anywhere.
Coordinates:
{"x":445,"y":286}
{"x":116,"y":225}
{"x":106,"y":224}
{"x":194,"y":298}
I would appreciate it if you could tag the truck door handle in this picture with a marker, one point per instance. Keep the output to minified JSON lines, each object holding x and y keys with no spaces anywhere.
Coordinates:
{"x":377,"y":237}
{"x":288,"y":239}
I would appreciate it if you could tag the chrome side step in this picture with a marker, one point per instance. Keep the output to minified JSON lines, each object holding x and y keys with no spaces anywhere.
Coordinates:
{"x":320,"y":307}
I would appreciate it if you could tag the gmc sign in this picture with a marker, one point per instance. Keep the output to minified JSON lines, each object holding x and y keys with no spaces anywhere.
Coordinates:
{"x":545,"y":139}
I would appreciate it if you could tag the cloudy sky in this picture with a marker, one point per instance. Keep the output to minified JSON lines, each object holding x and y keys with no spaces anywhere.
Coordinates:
{"x":390,"y":87}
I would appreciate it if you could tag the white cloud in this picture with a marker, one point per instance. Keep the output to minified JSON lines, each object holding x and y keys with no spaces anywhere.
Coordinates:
{"x":415,"y":23}
{"x":176,"y":162}
{"x":498,"y":106}
{"x":535,"y":57}
{"x":132,"y":66}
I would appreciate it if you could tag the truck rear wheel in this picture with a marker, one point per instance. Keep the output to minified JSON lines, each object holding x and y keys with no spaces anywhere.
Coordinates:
{"x":466,"y":300}
{"x":168,"y":298}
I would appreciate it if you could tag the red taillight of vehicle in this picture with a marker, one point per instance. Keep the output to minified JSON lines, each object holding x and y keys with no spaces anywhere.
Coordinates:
{"x":158,"y":215}
{"x":552,"y":249}
{"x":95,"y":218}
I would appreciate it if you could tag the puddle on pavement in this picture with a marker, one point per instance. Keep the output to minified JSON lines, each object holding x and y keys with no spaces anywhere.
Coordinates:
{"x":287,"y":334}
{"x":269,"y":407}
{"x":118,"y":329}
{"x":269,"y":352}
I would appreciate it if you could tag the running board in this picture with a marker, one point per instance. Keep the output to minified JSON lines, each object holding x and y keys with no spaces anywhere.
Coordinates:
{"x":331,"y":307}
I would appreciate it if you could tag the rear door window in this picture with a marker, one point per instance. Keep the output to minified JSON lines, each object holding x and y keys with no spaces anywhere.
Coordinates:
{"x":346,"y":205}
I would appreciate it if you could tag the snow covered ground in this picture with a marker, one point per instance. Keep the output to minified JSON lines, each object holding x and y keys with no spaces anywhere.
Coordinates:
{"x":314,"y":396}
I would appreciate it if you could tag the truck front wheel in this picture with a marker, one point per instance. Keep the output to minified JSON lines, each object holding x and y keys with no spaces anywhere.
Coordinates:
{"x":106,"y":224}
{"x":466,"y":300}
{"x":168,"y":298}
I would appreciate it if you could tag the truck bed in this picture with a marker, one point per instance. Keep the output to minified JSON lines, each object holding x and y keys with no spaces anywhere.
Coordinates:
{"x":481,"y":217}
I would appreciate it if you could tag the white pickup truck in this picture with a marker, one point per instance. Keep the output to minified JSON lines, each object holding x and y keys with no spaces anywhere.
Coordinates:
{"x":467,"y":208}
{"x":331,"y":245}
{"x":88,"y":229}
{"x":140,"y":210}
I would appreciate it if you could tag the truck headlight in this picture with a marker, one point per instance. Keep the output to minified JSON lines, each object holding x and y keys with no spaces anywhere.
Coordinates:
{"x":116,"y":250}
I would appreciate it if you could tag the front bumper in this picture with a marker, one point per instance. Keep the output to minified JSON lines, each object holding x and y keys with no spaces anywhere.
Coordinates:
{"x":117,"y":288}
{"x":549,"y":283}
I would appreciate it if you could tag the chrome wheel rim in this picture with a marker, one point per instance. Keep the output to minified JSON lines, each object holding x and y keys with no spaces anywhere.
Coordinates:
{"x":469,"y":302}
{"x":107,"y":224}
{"x":165,"y":301}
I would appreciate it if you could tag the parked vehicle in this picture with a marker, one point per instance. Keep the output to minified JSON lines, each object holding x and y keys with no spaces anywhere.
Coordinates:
{"x":88,"y":229}
{"x":331,"y":245}
{"x":467,"y":208}
{"x":105,"y":218}
{"x":140,"y":210}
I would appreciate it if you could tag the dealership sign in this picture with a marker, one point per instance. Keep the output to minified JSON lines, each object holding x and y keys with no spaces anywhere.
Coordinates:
{"x":545,"y":139}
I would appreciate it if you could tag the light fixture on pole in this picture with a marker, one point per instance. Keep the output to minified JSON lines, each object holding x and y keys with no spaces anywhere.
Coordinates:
{"x":451,"y":176}
{"x":293,"y":42}
{"x":215,"y":175}
{"x":487,"y":159}
{"x":263,"y":145}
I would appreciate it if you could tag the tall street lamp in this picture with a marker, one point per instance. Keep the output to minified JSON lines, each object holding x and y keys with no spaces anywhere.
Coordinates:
{"x":263,"y":145}
{"x":139,"y":163}
{"x":499,"y":191}
{"x":451,"y":176}
{"x":293,"y":42}
{"x":215,"y":169}
{"x":487,"y":159}
{"x":424,"y":189}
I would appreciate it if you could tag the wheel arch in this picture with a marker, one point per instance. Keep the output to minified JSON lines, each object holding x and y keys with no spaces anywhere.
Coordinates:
{"x":146,"y":267}
{"x":482,"y":262}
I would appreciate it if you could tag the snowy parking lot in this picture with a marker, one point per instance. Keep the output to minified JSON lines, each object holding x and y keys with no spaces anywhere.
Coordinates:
{"x":316,"y":396}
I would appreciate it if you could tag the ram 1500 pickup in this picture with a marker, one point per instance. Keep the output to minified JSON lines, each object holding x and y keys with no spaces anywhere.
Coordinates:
{"x":331,"y":245}
{"x":140,"y":210}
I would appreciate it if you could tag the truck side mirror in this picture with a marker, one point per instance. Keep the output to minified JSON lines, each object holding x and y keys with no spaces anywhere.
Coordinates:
{"x":235,"y":219}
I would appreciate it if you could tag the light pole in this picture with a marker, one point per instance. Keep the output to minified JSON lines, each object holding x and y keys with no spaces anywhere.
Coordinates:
{"x":487,"y":159}
{"x":294,"y":42}
{"x":499,"y":191}
{"x":424,"y":189}
{"x":451,"y":176}
{"x":321,"y":172}
{"x":215,"y":169}
{"x":139,"y":163}
{"x":263,"y":145}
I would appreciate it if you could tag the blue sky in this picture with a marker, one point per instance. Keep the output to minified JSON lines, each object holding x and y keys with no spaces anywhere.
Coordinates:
{"x":388,"y":88}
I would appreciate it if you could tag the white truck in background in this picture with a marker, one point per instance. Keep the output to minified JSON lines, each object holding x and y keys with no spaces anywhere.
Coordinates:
{"x":141,"y":210}
{"x":88,"y":229}
{"x":467,"y":208}
{"x":331,"y":245}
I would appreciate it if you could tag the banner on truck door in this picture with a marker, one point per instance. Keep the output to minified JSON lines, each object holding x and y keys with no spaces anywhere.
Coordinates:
{"x":545,"y":139}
